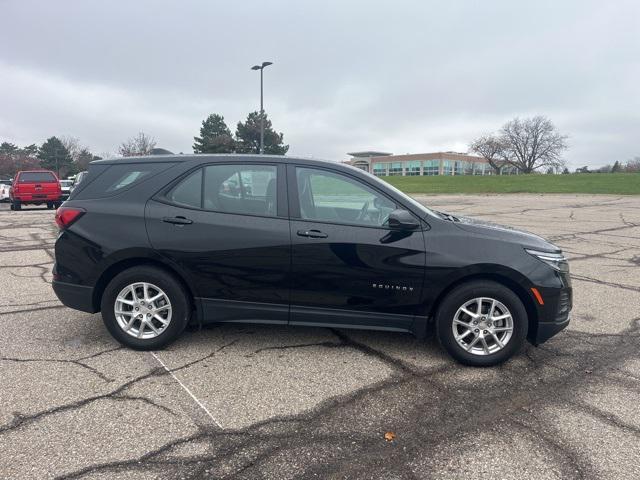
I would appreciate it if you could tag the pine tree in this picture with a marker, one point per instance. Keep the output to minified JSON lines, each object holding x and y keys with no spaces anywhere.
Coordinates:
{"x":616,"y":167}
{"x":248,"y":136}
{"x":215,"y":136}
{"x":54,"y":156}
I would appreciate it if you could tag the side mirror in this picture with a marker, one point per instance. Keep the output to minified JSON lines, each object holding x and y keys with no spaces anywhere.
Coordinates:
{"x":403,"y":220}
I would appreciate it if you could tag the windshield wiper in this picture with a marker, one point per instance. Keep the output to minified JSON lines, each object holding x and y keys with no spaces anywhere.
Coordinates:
{"x":447,"y":216}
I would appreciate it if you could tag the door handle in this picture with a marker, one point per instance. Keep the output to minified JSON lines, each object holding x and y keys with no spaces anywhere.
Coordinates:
{"x":178,"y":220}
{"x":312,"y":234}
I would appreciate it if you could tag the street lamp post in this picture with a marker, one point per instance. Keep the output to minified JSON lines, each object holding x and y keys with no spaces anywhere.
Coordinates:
{"x":261,"y":68}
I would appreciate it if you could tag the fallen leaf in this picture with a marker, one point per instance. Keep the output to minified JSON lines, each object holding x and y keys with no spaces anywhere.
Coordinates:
{"x":389,"y":436}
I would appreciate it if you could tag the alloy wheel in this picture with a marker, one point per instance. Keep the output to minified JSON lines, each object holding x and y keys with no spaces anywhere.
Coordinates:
{"x":482,"y":326}
{"x":143,"y":310}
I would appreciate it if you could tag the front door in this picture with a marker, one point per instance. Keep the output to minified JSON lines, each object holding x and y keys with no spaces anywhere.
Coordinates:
{"x":227,"y":228}
{"x":348,"y":267}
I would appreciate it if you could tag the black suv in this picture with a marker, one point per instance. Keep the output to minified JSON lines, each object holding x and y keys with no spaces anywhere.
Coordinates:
{"x":156,"y":242}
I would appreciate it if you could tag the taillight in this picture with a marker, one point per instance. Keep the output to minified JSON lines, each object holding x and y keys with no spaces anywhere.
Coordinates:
{"x":65,"y":216}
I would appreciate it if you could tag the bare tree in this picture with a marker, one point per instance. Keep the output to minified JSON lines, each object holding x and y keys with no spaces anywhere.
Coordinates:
{"x":72,"y":144}
{"x":141,"y":144}
{"x":491,"y":148}
{"x":533,"y":143}
{"x":633,"y":166}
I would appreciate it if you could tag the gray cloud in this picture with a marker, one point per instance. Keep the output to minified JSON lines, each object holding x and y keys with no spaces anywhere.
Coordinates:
{"x":400,"y":76}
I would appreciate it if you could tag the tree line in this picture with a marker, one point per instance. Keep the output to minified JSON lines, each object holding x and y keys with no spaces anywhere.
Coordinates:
{"x":66,"y":156}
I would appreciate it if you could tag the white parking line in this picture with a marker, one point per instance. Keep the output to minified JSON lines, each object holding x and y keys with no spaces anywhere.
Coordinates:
{"x":195,"y":399}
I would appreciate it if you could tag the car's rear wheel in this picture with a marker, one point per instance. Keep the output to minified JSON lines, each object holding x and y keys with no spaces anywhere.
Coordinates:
{"x":49,"y":205}
{"x":16,"y":206}
{"x":145,"y":308}
{"x":482,"y":323}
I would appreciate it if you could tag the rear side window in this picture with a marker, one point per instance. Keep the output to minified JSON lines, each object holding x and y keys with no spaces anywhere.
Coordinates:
{"x":117,"y":178}
{"x":243,"y":189}
{"x":188,"y":192}
{"x":36,"y":177}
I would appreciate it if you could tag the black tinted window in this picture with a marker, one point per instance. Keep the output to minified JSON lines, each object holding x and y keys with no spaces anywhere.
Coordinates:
{"x":119,"y":177}
{"x":188,"y":192}
{"x":331,"y":197}
{"x":31,"y":177}
{"x":244,"y":189}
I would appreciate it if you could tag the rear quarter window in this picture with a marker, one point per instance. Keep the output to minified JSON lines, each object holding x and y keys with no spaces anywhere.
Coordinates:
{"x":117,"y":178}
{"x":36,"y":177}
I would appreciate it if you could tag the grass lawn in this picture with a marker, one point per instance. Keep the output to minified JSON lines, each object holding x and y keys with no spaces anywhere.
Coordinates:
{"x":612,"y":183}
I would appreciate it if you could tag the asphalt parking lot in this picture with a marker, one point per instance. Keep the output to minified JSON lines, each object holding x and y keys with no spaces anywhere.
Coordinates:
{"x":271,"y":402}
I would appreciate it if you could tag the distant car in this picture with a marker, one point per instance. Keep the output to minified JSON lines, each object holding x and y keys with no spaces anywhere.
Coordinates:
{"x":35,"y":187}
{"x":77,"y":180}
{"x":66,"y":185}
{"x":5,"y":187}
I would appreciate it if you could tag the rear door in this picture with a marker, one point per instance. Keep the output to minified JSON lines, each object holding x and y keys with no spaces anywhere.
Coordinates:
{"x":227,"y":226}
{"x":348,"y":267}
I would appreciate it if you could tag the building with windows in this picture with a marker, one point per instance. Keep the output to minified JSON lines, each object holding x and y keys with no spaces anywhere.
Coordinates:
{"x":439,"y":163}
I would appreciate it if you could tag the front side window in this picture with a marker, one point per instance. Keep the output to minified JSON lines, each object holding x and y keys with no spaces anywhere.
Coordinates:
{"x":330,"y":197}
{"x":243,"y":189}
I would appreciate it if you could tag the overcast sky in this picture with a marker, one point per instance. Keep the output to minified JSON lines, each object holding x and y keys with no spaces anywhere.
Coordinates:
{"x":403,"y":77}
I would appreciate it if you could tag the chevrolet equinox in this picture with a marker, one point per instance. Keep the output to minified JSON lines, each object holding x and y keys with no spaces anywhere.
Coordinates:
{"x":157,"y":242}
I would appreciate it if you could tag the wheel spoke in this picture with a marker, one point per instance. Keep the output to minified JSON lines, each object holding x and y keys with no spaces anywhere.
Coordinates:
{"x":141,"y":329}
{"x":162,"y":308}
{"x":134,"y":296}
{"x":503,"y":329}
{"x":493,"y":306}
{"x":497,"y":340}
{"x":124,"y":312}
{"x":152,"y":327}
{"x":126,"y":302}
{"x":475,"y":340}
{"x":156,"y":297}
{"x":129,"y":324}
{"x":501,"y":317}
{"x":464,"y":324}
{"x":484,"y":345}
{"x":160,"y":319}
{"x":465,"y":334}
{"x":145,"y":291}
{"x":469,"y":312}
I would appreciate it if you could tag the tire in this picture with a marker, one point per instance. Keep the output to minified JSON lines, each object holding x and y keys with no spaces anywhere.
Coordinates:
{"x":16,"y":206}
{"x":49,"y":205}
{"x":57,"y":204}
{"x":510,"y":331}
{"x":157,"y":280}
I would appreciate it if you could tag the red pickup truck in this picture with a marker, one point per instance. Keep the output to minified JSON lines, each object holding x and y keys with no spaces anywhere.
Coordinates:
{"x":35,"y":187}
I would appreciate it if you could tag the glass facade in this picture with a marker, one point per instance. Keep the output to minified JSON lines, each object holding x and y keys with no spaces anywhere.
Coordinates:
{"x":431,"y":167}
{"x":447,"y":167}
{"x":395,"y":168}
{"x":412,"y":168}
{"x":380,"y":169}
{"x":437,"y":167}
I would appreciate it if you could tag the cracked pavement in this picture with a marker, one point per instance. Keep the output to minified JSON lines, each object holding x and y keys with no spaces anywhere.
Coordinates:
{"x":278,"y":402}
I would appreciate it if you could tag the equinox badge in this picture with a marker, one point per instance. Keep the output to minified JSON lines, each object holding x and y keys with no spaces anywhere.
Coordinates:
{"x":392,"y":287}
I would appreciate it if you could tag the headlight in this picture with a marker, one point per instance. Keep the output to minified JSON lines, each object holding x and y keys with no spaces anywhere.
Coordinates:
{"x":555,"y":260}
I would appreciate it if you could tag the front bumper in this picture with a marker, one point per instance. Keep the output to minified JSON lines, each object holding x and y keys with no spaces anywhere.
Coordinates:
{"x":555,"y":315}
{"x":78,"y":297}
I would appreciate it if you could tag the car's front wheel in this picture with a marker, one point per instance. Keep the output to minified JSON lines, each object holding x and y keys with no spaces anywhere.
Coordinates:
{"x":145,"y":308}
{"x":482,"y":323}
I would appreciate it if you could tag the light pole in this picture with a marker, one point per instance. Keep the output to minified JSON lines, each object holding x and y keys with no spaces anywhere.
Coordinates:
{"x":261,"y":68}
